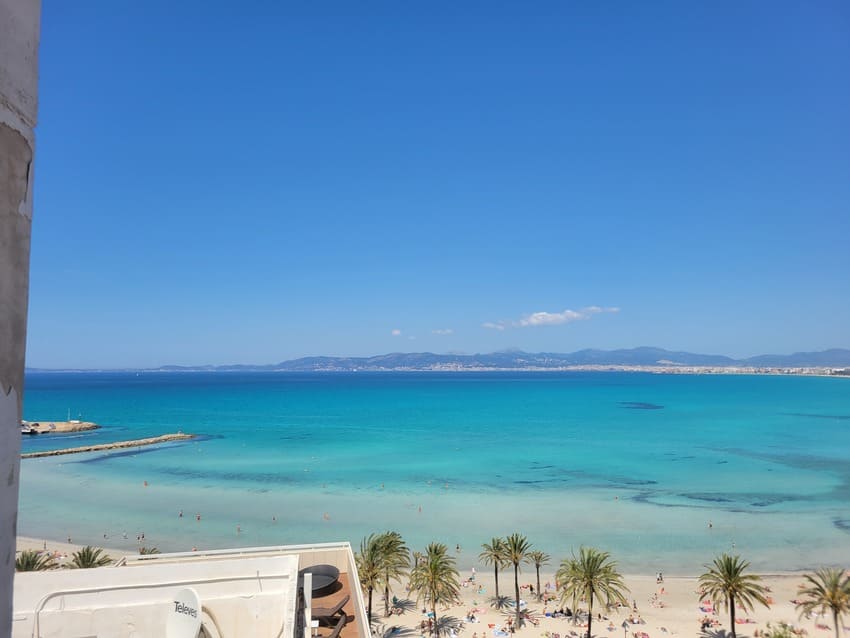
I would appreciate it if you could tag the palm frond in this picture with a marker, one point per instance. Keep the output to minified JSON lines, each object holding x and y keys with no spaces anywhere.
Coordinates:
{"x":33,"y":561}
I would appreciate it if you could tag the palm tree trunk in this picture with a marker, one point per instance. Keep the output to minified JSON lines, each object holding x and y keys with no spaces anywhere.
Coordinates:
{"x":516,"y":591}
{"x":539,"y":593}
{"x":497,"y":580}
{"x":589,"y":613}
{"x":732,"y":614}
{"x":434,"y":611}
{"x":387,"y":596}
{"x":369,"y":609}
{"x":835,"y":621}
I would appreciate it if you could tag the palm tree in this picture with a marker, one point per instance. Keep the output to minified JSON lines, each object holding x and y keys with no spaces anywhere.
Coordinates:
{"x":539,"y":559}
{"x":725,"y":581}
{"x":148,"y":550}
{"x":592,"y":574}
{"x":32,"y":561}
{"x":88,"y":557}
{"x":781,"y":630}
{"x":516,"y":550}
{"x":494,"y":555}
{"x":369,"y":568}
{"x":827,"y":590}
{"x":436,"y":578}
{"x":394,"y":563}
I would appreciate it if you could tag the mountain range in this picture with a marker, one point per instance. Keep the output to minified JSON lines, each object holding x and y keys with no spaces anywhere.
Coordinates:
{"x":518,"y":360}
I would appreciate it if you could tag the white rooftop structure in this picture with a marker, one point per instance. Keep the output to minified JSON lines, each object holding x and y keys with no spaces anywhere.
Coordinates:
{"x":256,"y":592}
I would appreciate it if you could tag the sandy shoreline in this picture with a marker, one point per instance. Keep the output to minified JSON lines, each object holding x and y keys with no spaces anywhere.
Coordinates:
{"x":671,"y":607}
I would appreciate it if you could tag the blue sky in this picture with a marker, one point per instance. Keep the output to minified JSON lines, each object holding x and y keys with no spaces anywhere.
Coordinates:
{"x":218,"y":185}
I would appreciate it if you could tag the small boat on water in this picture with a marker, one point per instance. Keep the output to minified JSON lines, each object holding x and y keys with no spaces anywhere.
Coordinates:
{"x":29,"y":428}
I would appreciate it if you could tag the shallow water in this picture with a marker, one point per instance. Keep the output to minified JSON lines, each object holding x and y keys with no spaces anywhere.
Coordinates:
{"x":637,"y":464}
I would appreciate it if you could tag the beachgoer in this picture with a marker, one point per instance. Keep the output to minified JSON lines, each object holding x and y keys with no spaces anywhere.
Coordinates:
{"x":197,"y":517}
{"x":180,"y":515}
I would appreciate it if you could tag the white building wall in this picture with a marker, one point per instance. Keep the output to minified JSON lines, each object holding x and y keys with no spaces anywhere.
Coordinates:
{"x":241,"y":596}
{"x":19,"y":34}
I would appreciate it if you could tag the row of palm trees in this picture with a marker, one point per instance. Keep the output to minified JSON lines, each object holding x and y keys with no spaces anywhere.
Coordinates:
{"x":434,"y":577}
{"x":591,"y":576}
{"x":84,"y":558}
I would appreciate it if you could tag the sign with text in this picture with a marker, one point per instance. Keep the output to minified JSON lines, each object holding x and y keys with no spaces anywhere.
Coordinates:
{"x":184,"y":615}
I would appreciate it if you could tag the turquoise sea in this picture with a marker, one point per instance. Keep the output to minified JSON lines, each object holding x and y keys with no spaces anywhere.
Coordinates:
{"x":664,"y":471}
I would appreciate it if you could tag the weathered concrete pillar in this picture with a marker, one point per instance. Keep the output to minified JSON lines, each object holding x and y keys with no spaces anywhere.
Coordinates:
{"x":19,"y":30}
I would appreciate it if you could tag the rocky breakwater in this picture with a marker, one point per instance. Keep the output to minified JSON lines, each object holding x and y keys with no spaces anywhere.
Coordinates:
{"x":179,"y":436}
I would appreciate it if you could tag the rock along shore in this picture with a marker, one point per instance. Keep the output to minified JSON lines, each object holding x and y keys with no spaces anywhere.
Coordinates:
{"x":112,"y":446}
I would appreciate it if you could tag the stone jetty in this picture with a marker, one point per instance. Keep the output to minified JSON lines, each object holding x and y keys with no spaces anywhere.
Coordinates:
{"x":179,"y":436}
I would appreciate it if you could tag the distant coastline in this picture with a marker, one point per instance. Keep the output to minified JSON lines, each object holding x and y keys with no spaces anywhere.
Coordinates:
{"x":833,"y":362}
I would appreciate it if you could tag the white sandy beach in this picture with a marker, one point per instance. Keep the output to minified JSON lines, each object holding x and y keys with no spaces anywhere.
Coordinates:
{"x":671,"y":608}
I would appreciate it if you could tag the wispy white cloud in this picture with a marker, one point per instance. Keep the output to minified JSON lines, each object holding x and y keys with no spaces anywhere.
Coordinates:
{"x":442,"y":331}
{"x":543,"y":318}
{"x":396,"y":333}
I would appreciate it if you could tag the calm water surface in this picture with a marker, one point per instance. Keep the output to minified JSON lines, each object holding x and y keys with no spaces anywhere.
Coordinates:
{"x":662,"y":470}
